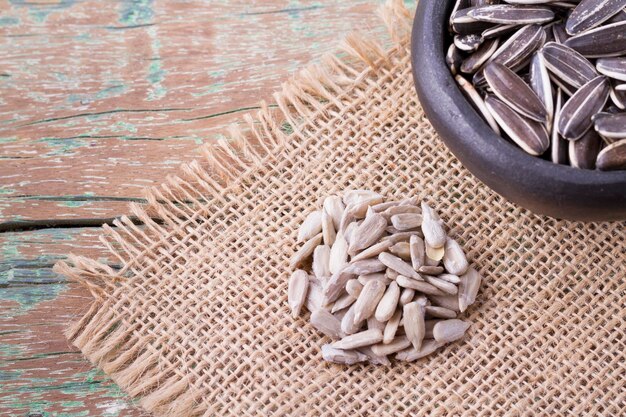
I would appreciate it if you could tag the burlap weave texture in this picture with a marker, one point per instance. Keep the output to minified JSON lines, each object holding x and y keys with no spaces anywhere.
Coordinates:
{"x":196,"y":321}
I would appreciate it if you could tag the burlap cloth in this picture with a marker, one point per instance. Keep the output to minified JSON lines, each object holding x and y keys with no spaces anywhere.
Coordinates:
{"x":196,"y":321}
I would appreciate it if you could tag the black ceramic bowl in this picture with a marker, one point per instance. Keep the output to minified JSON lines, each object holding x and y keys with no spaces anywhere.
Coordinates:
{"x":541,"y":186}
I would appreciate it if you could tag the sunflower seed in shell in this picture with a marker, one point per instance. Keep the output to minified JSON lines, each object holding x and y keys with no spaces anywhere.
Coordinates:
{"x":419,"y":285}
{"x":315,"y":296}
{"x":584,"y":152}
{"x":321,"y":262}
{"x":434,"y":234}
{"x":401,"y":250}
{"x":364,"y":279}
{"x":448,"y":301}
{"x":454,"y":259}
{"x":568,"y":65}
{"x":591,"y":13}
{"x":341,"y":356}
{"x":357,"y":340}
{"x":463,"y":24}
{"x":468,"y":289}
{"x":298,"y":286}
{"x":398,"y":265}
{"x":334,"y":207}
{"x":397,"y":344}
{"x":618,"y":98}
{"x":575,"y":116}
{"x":458,"y":5}
{"x":618,"y":17}
{"x":443,"y":285}
{"x":558,"y":145}
{"x":429,"y":346}
{"x":620,"y":87}
{"x":512,"y":90}
{"x":391,"y":328}
{"x":414,"y":326}
{"x":468,"y":43}
{"x":559,"y":33}
{"x":368,"y":232}
{"x":406,"y":296}
{"x":430,"y":270}
{"x":388,"y":303}
{"x":354,"y":287}
{"x":372,"y":357}
{"x":470,"y":92}
{"x":510,"y":14}
{"x":528,"y":134}
{"x":447,"y":331}
{"x":347,"y":322}
{"x":343,"y":302}
{"x":474,"y":3}
{"x":612,"y":157}
{"x":517,"y":50}
{"x":310,"y":227}
{"x":305,"y":251}
{"x":540,"y":84}
{"x":476,"y":60}
{"x":604,"y":41}
{"x":612,"y":126}
{"x":440,"y":312}
{"x":498,"y":31}
{"x":417,"y":252}
{"x":338,"y":254}
{"x":326,"y":323}
{"x":368,"y":300}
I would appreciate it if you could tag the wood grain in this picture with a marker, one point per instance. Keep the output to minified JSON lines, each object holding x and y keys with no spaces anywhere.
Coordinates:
{"x":97,"y":101}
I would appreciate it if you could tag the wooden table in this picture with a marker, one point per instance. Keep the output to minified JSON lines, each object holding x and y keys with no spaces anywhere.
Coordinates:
{"x":99,"y":99}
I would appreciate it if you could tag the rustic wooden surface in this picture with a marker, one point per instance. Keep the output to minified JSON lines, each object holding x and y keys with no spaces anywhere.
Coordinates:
{"x":99,"y":99}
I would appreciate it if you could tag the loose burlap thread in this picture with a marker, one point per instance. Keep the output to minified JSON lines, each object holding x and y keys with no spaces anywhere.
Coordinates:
{"x":196,"y":322}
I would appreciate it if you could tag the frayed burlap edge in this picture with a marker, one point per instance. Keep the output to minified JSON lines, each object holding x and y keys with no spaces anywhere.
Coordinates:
{"x":182,"y":199}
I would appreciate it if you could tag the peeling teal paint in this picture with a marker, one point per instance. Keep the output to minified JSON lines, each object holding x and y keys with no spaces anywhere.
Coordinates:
{"x":4,"y":190}
{"x":113,"y":91}
{"x":62,"y":146}
{"x":211,"y":89}
{"x":156,"y":73}
{"x":124,"y":127}
{"x":9,"y":21}
{"x":136,"y":12}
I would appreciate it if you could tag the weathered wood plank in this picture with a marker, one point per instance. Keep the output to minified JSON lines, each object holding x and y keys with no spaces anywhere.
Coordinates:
{"x":102,"y":101}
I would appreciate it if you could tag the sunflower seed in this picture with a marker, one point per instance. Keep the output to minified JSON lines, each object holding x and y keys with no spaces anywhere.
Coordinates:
{"x":368,"y":299}
{"x":529,"y":135}
{"x":411,"y":354}
{"x":463,"y":24}
{"x":575,"y":118}
{"x":328,"y":229}
{"x":334,"y":207}
{"x":396,"y":345}
{"x":343,"y":302}
{"x":367,"y":233}
{"x":364,"y":279}
{"x":414,"y":326}
{"x":612,"y":157}
{"x":584,"y":152}
{"x":508,"y":14}
{"x":341,"y":356}
{"x":406,"y":296}
{"x":335,"y":286}
{"x":326,"y":323}
{"x":559,"y":33}
{"x":568,"y":65}
{"x":447,"y":331}
{"x":406,"y":221}
{"x":618,"y":98}
{"x":458,"y":5}
{"x":498,"y":31}
{"x":620,"y":87}
{"x":558,"y":145}
{"x":470,"y":92}
{"x":298,"y":286}
{"x":591,"y":13}
{"x":347,"y":322}
{"x":373,"y":250}
{"x":364,"y":267}
{"x":372,"y":357}
{"x":443,"y":285}
{"x":402,"y":236}
{"x":392,"y":327}
{"x":468,"y":43}
{"x":474,"y":3}
{"x":416,"y":249}
{"x":381,"y":207}
{"x":434,"y":255}
{"x":517,"y":50}
{"x":351,"y":197}
{"x":604,"y":41}
{"x":511,"y":89}
{"x":364,"y":338}
{"x":612,"y":126}
{"x":468,"y":288}
{"x":388,"y":303}
{"x":448,"y":301}
{"x":440,"y":312}
{"x":540,"y":83}
{"x":434,"y":234}
{"x":398,"y":265}
{"x":475,"y":61}
{"x":401,"y":250}
{"x":418,"y":285}
{"x":354,"y":287}
{"x":315,"y":297}
{"x":454,"y":260}
{"x":338,"y":254}
{"x":321,"y":262}
{"x":619,"y":17}
{"x":310,"y":227}
{"x":305,"y":251}
{"x":430,"y":270}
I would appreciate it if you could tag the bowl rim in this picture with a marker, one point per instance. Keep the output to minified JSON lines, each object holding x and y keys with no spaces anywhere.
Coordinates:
{"x":453,"y":102}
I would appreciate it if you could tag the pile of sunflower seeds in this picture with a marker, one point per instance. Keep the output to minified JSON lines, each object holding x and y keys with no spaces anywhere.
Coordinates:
{"x":548,"y":75}
{"x":385,"y":279}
